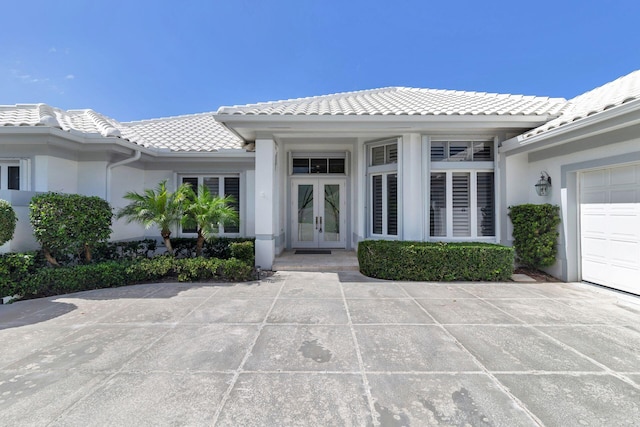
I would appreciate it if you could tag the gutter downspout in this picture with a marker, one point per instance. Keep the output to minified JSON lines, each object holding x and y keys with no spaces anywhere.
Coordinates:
{"x":110,"y":166}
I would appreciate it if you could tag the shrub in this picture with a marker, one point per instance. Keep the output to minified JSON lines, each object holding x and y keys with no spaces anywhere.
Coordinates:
{"x":49,"y":281}
{"x":69,"y":224}
{"x":218,"y":247}
{"x":134,"y":249}
{"x":422,"y":261}
{"x":16,"y":268}
{"x":8,"y":220}
{"x":243,"y":251}
{"x":535,"y":233}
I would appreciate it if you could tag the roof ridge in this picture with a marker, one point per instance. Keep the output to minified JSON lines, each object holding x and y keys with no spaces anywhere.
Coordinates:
{"x":167,"y":118}
{"x":313,"y":98}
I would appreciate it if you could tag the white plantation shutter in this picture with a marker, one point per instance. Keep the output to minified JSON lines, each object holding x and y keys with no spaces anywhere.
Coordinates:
{"x":486,"y":205}
{"x":232,"y":188}
{"x":213,"y":185}
{"x":438,"y":221}
{"x":376,"y":220}
{"x":392,"y":204}
{"x":461,"y":204}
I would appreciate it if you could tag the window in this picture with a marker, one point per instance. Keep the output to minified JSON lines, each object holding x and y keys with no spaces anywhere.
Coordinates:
{"x":462,"y":151}
{"x":462,"y":195}
{"x":383,"y":184}
{"x":10,"y":175}
{"x":217,"y":185}
{"x":462,"y":204}
{"x":303,"y":165}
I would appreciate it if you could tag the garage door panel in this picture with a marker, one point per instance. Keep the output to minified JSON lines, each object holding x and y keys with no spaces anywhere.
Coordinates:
{"x":610,"y":227}
{"x":594,"y":179}
{"x":592,"y":248}
{"x":623,"y":176}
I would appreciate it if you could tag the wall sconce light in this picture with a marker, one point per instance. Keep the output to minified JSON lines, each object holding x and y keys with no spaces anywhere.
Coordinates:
{"x":543,"y":187}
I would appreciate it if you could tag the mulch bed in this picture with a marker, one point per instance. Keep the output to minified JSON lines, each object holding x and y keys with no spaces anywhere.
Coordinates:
{"x":538,"y":275}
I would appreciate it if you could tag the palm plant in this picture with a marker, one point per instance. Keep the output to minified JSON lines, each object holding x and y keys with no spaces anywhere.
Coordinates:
{"x":158,"y":207}
{"x":205,"y":212}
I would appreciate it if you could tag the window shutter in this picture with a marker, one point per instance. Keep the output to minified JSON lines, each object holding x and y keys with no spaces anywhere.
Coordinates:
{"x":213,"y":185}
{"x":376,"y":187}
{"x":438,"y":207}
{"x":438,"y":153}
{"x":461,"y":214}
{"x":486,"y":204}
{"x":232,"y":188}
{"x":392,"y":204}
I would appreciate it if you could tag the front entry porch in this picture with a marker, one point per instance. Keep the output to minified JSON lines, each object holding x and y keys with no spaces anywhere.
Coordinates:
{"x":336,"y":260}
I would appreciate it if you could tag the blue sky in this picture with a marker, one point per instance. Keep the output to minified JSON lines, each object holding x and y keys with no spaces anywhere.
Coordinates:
{"x":139,"y":59}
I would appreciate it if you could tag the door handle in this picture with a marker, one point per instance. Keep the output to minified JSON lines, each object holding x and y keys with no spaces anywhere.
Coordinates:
{"x":316,"y":223}
{"x":320,"y":224}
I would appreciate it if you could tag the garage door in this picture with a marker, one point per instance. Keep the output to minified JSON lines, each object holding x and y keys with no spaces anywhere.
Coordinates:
{"x":610,"y":227}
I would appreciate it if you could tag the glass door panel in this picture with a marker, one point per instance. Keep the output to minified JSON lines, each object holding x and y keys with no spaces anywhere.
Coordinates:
{"x":331,"y":228}
{"x":318,"y":213}
{"x":305,"y":215}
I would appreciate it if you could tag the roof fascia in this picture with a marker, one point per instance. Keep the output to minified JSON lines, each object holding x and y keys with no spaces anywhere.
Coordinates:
{"x":614,"y":118}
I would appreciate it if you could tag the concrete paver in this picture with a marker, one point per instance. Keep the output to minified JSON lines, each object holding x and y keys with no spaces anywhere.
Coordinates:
{"x":302,"y":348}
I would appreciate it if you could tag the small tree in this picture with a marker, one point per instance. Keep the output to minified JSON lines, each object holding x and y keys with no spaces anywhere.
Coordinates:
{"x":535,"y":233}
{"x":205,"y":212}
{"x":69,"y":223}
{"x":8,"y":220}
{"x":158,"y":207}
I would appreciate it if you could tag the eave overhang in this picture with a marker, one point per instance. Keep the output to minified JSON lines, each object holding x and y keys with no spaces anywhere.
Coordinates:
{"x":622,"y":116}
{"x":248,"y":126}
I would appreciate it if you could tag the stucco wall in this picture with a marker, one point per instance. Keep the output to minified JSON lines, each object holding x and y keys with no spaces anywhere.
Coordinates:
{"x":563,"y":164}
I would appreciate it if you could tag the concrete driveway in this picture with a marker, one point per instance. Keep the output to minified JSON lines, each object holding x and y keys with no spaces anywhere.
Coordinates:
{"x":323,"y":349}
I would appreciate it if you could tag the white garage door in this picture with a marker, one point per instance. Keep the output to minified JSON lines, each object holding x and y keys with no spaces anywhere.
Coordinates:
{"x":610,"y":227}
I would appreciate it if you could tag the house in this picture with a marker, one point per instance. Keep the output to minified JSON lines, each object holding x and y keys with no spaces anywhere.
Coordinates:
{"x":391,"y":163}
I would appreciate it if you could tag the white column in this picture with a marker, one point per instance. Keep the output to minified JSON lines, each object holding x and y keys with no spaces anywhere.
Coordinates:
{"x":265,"y":202}
{"x":412,"y":187}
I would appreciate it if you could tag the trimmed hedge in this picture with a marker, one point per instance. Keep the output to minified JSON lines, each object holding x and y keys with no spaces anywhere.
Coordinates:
{"x":56,"y":281}
{"x":426,"y":261}
{"x":535,"y":233}
{"x":8,"y":220}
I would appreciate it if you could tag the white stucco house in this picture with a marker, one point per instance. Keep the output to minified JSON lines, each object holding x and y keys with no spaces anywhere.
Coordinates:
{"x":392,"y":163}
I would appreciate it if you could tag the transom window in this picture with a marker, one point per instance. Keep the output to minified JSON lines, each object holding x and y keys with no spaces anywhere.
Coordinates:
{"x":9,"y":175}
{"x":383,"y":188}
{"x":318,"y":165}
{"x":462,"y":151}
{"x":218,"y":185}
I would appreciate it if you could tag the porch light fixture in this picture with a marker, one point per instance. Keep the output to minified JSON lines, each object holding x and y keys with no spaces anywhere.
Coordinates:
{"x":543,"y":187}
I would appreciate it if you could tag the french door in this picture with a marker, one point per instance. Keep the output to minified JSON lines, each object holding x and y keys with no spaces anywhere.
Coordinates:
{"x":318,"y":213}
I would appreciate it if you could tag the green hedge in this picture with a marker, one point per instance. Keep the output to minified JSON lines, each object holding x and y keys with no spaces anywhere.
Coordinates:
{"x":422,"y":261}
{"x":33,"y":282}
{"x":8,"y":220}
{"x":535,"y":233}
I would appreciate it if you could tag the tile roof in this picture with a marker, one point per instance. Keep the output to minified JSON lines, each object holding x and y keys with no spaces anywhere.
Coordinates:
{"x":610,"y":95}
{"x":195,"y":132}
{"x":396,"y":101}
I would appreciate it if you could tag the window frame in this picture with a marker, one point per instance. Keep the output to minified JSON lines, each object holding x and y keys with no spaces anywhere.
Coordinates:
{"x":221,"y":191}
{"x":5,"y":164}
{"x":473,"y":168}
{"x":385,"y":170}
